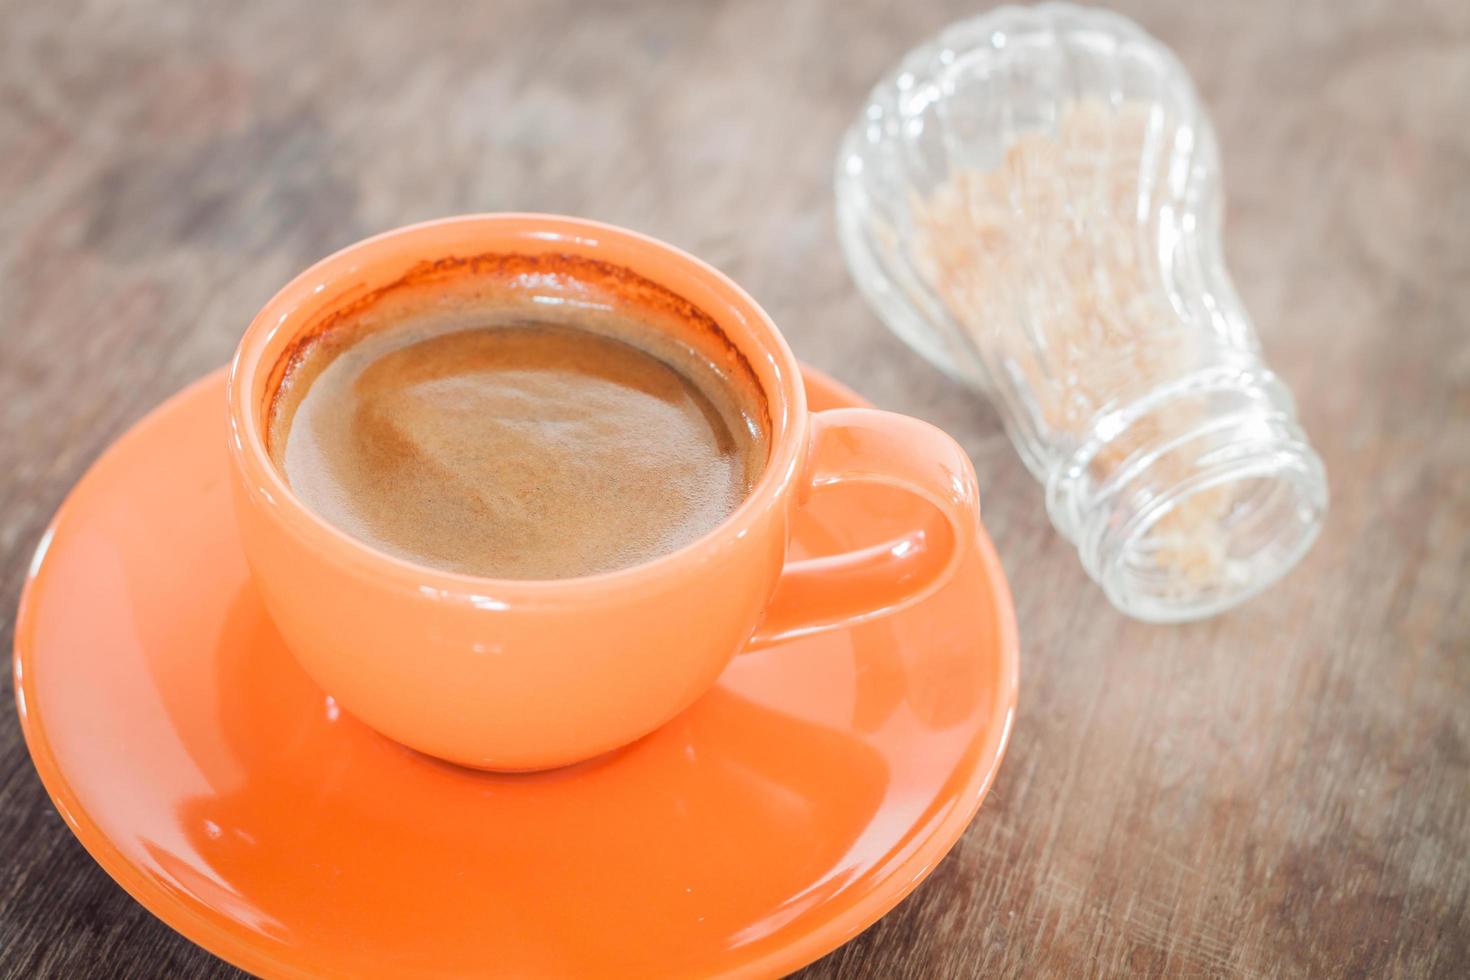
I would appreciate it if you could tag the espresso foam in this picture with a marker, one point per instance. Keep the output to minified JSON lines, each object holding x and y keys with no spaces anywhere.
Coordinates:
{"x":499,"y":443}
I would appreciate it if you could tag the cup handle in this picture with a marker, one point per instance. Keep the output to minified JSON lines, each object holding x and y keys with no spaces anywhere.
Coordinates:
{"x":864,"y":444}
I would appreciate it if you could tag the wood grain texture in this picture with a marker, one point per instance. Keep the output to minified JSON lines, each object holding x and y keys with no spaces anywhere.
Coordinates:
{"x":1280,"y":792}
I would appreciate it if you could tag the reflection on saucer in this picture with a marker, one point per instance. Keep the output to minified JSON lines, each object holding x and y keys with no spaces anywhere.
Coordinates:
{"x":622,"y":844}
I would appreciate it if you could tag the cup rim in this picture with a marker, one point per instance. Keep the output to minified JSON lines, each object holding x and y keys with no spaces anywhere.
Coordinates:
{"x":291,"y":309}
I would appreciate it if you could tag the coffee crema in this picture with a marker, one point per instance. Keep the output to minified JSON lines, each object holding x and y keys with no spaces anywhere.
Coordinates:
{"x":517,"y":439}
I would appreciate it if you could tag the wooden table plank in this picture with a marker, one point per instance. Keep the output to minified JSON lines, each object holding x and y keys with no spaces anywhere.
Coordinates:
{"x":1281,"y":792}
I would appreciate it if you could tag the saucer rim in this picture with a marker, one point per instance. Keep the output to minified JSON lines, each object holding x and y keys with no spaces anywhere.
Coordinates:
{"x":890,"y":887}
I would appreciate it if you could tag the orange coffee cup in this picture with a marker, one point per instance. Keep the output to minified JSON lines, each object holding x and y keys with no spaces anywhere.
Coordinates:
{"x":518,"y":675}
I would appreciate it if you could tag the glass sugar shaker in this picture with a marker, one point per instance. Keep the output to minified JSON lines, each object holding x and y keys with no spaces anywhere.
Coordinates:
{"x":1032,"y":200}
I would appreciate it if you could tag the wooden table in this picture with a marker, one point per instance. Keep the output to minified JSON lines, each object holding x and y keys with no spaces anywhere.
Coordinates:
{"x":1283,"y":791}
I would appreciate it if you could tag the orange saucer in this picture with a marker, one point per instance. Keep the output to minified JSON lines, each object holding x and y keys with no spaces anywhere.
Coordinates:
{"x":802,"y":798}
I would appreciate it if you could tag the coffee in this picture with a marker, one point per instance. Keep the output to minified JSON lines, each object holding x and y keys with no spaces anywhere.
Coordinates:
{"x":500,"y":439}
